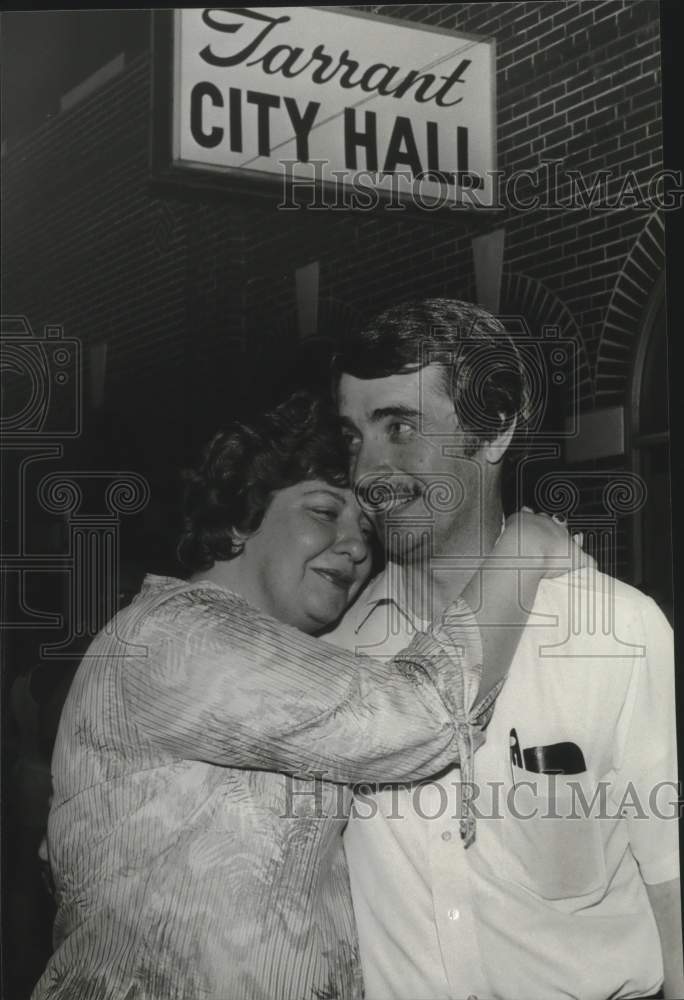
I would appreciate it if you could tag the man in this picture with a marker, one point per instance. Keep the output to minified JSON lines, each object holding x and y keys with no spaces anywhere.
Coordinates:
{"x":549,"y":900}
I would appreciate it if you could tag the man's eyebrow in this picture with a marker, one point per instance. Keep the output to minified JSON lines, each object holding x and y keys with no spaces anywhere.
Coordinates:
{"x":396,"y":410}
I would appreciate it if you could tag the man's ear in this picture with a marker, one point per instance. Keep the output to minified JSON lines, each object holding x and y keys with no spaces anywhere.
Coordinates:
{"x":495,"y":449}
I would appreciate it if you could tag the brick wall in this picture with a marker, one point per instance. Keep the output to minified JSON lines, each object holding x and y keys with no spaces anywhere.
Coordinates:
{"x":94,"y":248}
{"x":195,"y":297}
{"x":577,"y":82}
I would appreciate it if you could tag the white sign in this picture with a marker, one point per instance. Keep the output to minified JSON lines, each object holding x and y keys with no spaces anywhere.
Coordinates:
{"x":362,"y":102}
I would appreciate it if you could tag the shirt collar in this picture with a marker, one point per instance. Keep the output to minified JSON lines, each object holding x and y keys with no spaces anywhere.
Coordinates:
{"x":389,"y":587}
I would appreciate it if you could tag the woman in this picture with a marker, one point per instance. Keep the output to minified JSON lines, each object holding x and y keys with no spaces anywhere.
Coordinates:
{"x":204,"y":749}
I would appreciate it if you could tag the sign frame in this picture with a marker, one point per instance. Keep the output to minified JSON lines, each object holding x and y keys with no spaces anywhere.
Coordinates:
{"x":166,"y":172}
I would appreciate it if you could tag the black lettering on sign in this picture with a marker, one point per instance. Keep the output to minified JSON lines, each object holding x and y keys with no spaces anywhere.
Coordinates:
{"x":254,"y":27}
{"x":424,"y":80}
{"x":387,"y":73}
{"x":286,"y":66}
{"x":264,"y":103}
{"x":213,"y":137}
{"x":402,"y":148}
{"x":464,"y":177}
{"x":434,"y":171}
{"x":235,"y":106}
{"x":432,"y":134}
{"x":449,"y":81}
{"x":302,"y":125}
{"x":212,"y":22}
{"x":368,"y":140}
{"x":462,"y":149}
{"x":349,"y":66}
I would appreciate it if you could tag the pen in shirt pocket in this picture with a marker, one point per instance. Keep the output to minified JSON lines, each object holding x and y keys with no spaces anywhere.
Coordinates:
{"x":556,"y":758}
{"x":515,"y":754}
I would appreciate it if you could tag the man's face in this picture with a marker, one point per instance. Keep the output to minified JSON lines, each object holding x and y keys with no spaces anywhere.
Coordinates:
{"x":310,"y":556}
{"x":409,"y":463}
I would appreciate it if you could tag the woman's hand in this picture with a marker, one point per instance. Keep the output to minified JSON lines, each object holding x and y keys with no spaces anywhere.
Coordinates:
{"x":536,"y":546}
{"x":543,"y":544}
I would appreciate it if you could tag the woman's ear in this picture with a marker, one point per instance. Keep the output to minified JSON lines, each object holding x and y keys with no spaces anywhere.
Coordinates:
{"x":495,"y":449}
{"x":238,"y":538}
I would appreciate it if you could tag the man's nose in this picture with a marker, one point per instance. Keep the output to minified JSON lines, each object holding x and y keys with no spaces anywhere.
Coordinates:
{"x":370,"y":474}
{"x":367,"y":461}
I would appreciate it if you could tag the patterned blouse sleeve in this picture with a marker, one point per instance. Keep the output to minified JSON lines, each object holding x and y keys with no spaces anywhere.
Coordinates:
{"x":224,"y":683}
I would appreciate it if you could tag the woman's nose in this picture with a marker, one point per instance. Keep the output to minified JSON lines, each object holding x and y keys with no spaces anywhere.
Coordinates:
{"x":352,"y":542}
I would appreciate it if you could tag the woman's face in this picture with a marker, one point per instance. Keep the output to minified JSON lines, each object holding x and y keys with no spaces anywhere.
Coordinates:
{"x":310,"y":556}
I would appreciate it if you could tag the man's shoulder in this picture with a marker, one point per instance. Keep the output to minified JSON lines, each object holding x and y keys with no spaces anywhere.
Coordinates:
{"x":593,"y":582}
{"x":603,"y":614}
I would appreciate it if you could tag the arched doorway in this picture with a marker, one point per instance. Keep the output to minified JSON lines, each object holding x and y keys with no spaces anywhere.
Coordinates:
{"x":650,"y":444}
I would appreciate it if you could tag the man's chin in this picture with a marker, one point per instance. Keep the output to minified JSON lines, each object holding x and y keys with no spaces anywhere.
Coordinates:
{"x":402,"y":538}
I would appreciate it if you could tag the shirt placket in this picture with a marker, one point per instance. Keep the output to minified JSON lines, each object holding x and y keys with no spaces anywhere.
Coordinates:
{"x":452,"y":892}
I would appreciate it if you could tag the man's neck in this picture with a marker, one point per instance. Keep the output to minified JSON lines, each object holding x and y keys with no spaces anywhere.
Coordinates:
{"x":434,"y":581}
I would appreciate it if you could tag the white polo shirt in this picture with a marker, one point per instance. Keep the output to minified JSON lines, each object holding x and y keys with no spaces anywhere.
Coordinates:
{"x":537,"y":908}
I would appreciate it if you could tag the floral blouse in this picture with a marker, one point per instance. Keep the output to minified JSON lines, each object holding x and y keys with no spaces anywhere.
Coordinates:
{"x":200,"y":791}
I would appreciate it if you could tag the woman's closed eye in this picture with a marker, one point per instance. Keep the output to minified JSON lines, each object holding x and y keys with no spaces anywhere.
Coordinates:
{"x":326,"y":513}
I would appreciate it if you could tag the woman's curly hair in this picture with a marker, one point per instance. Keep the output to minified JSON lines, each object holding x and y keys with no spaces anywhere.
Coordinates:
{"x":241,"y":468}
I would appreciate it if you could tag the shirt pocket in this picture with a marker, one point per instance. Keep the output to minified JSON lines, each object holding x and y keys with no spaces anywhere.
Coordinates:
{"x":552,"y":837}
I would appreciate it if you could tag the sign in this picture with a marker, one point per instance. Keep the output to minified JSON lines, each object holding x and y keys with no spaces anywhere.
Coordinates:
{"x":326,"y":95}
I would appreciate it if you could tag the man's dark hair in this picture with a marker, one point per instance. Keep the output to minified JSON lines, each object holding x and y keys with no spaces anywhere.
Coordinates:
{"x":242,"y":467}
{"x":482,"y":369}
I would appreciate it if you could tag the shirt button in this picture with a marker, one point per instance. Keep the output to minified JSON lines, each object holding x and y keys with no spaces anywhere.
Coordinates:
{"x":446,"y":835}
{"x":453,"y":914}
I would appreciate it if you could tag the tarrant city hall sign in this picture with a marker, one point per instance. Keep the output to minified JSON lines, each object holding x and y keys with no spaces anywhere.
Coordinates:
{"x":370,"y":103}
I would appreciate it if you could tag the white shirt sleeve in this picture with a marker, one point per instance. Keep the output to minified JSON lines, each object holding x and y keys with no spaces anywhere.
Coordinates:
{"x":648,"y":772}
